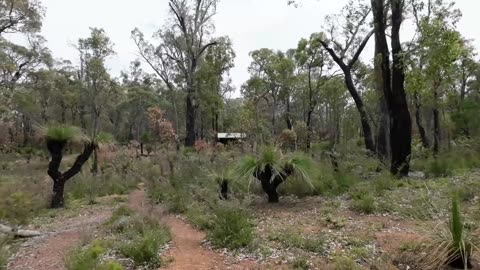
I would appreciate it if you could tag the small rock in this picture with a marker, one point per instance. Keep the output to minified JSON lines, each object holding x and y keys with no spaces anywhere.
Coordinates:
{"x":416,"y":175}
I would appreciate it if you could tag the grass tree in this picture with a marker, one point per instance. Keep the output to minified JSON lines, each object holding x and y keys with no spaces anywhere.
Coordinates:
{"x":450,"y":244}
{"x":272,"y":168}
{"x":57,"y":138}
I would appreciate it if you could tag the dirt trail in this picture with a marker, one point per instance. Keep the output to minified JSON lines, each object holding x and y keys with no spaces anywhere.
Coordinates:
{"x":48,"y":251}
{"x":187,"y":252}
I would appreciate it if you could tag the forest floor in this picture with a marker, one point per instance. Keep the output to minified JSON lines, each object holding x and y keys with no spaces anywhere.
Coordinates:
{"x":323,"y":232}
{"x":65,"y":232}
{"x":343,"y":233}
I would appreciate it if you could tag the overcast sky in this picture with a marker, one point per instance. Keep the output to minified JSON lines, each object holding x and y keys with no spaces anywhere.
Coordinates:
{"x":251,"y":24}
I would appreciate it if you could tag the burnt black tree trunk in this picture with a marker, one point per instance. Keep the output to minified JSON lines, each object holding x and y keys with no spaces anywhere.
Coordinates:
{"x":393,"y":85}
{"x":191,"y":116}
{"x":224,"y":189}
{"x":418,"y":120}
{"x":382,"y":138}
{"x":270,"y":182}
{"x":59,"y":179}
{"x":347,"y":71}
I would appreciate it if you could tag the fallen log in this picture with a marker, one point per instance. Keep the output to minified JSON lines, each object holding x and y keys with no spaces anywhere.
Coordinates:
{"x":18,"y":233}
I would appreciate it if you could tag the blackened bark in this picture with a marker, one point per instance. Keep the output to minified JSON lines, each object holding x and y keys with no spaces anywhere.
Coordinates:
{"x":190,"y":121}
{"x":59,"y":179}
{"x":393,"y":85}
{"x":224,"y":189}
{"x":347,"y":71}
{"x":383,"y":139}
{"x":270,"y":185}
{"x":58,"y":200}
{"x":270,"y":188}
{"x":418,"y":120}
{"x":366,"y":129}
{"x":401,"y":123}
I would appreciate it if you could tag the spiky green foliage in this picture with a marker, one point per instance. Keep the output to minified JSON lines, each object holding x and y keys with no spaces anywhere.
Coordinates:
{"x":301,"y":166}
{"x":104,"y":137}
{"x":460,"y":246}
{"x":449,"y":244}
{"x":63,"y":133}
{"x":297,"y":164}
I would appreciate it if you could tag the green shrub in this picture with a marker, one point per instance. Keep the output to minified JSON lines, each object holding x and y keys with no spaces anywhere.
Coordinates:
{"x":231,"y":227}
{"x":199,"y":216}
{"x":144,"y":248}
{"x":300,"y":264}
{"x":450,"y":244}
{"x":383,"y":183}
{"x":364,"y":203}
{"x":4,"y":253}
{"x":343,"y":182}
{"x":122,"y":211}
{"x":89,"y":187}
{"x":85,"y":258}
{"x":111,"y":265}
{"x":18,"y":207}
{"x":344,"y":263}
{"x":439,"y":167}
{"x":291,"y":238}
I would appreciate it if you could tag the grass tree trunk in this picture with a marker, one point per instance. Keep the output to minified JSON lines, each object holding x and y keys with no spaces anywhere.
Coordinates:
{"x":59,"y":179}
{"x":269,"y":183}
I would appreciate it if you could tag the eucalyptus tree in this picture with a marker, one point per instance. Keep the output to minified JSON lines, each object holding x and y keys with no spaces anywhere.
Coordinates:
{"x":345,"y":41}
{"x":20,"y":16}
{"x":271,"y":79}
{"x":183,"y":42}
{"x":140,"y":94}
{"x":311,"y":59}
{"x":464,"y":100}
{"x":437,"y":49}
{"x":392,"y":76}
{"x":94,"y":50}
{"x":213,"y":84}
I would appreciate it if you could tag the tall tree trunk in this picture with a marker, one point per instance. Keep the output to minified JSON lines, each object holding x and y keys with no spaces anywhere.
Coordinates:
{"x":83,"y":122}
{"x":382,"y":138}
{"x":366,"y":128}
{"x":383,"y":133}
{"x":418,"y":120}
{"x":274,"y":118}
{"x":190,"y":120}
{"x":309,"y":127}
{"x":401,"y":123}
{"x":288,"y":120}
{"x":393,"y":85}
{"x":436,"y":123}
{"x":26,"y":130}
{"x":95,"y":122}
{"x":63,"y":117}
